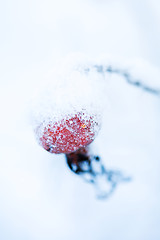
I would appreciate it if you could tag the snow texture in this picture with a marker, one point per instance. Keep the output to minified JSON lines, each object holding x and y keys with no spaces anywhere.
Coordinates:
{"x":69,"y":90}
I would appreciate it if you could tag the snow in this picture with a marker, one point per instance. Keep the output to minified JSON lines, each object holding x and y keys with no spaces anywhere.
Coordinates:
{"x":69,"y":90}
{"x":40,"y":198}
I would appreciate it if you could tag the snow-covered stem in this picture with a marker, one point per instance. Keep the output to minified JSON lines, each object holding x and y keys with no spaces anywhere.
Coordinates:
{"x":127,"y":76}
{"x":91,"y":168}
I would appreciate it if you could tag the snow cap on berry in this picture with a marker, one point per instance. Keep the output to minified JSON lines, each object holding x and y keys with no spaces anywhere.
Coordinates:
{"x":69,"y":106}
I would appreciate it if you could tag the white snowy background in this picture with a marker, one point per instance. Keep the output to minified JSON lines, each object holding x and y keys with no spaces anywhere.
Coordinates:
{"x":39,"y":196}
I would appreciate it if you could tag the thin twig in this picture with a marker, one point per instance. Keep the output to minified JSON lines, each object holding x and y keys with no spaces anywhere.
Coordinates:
{"x":135,"y":82}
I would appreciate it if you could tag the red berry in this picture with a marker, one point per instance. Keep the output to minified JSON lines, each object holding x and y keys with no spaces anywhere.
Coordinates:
{"x":67,"y":135}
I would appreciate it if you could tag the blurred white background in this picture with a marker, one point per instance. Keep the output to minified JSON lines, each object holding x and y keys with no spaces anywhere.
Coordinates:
{"x":39,"y":197}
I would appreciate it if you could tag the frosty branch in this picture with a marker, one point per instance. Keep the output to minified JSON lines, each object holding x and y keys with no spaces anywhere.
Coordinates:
{"x":135,"y":82}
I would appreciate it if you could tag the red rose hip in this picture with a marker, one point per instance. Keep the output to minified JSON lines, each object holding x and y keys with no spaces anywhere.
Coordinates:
{"x":69,"y":134}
